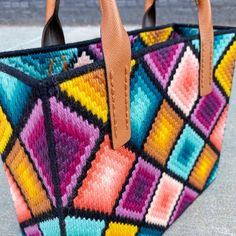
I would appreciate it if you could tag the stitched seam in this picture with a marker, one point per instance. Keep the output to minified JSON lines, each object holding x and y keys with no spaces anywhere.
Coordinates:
{"x":202,"y":65}
{"x":210,"y":74}
{"x":127,"y":98}
{"x":113,"y":97}
{"x":211,"y":61}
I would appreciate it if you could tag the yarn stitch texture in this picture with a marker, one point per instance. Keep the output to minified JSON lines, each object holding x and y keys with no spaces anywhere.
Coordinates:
{"x":55,"y":137}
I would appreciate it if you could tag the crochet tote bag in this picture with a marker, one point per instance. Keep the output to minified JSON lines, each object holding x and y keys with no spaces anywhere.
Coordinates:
{"x":90,"y":149}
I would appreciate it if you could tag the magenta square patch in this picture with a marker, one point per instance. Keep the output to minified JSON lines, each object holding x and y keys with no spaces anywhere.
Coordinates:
{"x":139,"y":190}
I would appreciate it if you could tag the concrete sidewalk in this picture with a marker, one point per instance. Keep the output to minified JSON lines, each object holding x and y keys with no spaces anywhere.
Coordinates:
{"x":212,"y":214}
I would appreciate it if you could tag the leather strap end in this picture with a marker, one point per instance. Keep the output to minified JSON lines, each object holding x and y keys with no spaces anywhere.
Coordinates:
{"x":119,"y":103}
{"x":117,"y":54}
{"x":206,"y":63}
{"x":207,"y":47}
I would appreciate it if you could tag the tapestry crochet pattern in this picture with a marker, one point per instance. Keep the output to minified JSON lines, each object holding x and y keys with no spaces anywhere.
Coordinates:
{"x":55,"y":137}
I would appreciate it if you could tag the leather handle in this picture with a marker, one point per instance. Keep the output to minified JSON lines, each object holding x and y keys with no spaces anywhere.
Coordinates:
{"x":51,"y":7}
{"x":117,"y":55}
{"x":206,"y":39}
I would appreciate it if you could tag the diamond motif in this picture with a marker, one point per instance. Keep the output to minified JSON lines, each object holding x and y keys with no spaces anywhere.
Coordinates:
{"x":163,"y":134}
{"x":164,"y":201}
{"x":186,"y":199}
{"x":145,"y":99}
{"x":185,"y":153}
{"x":108,"y":173}
{"x":185,"y":84}
{"x":163,"y":61}
{"x":208,"y":110}
{"x":74,"y":140}
{"x":203,"y":168}
{"x":138,"y":192}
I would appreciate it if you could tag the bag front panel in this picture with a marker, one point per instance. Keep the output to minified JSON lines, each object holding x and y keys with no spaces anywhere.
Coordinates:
{"x":65,"y":177}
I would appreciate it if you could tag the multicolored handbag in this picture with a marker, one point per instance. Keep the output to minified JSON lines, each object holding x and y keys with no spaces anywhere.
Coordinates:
{"x":90,"y":149}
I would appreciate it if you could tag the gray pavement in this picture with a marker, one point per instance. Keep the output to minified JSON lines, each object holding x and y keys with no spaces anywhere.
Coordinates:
{"x":213,"y":214}
{"x":30,"y":12}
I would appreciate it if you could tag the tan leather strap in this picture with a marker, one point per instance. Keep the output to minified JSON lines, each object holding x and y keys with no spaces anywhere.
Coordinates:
{"x":117,"y":56}
{"x":207,"y":46}
{"x":50,"y":8}
{"x":206,"y":38}
{"x":117,"y":53}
